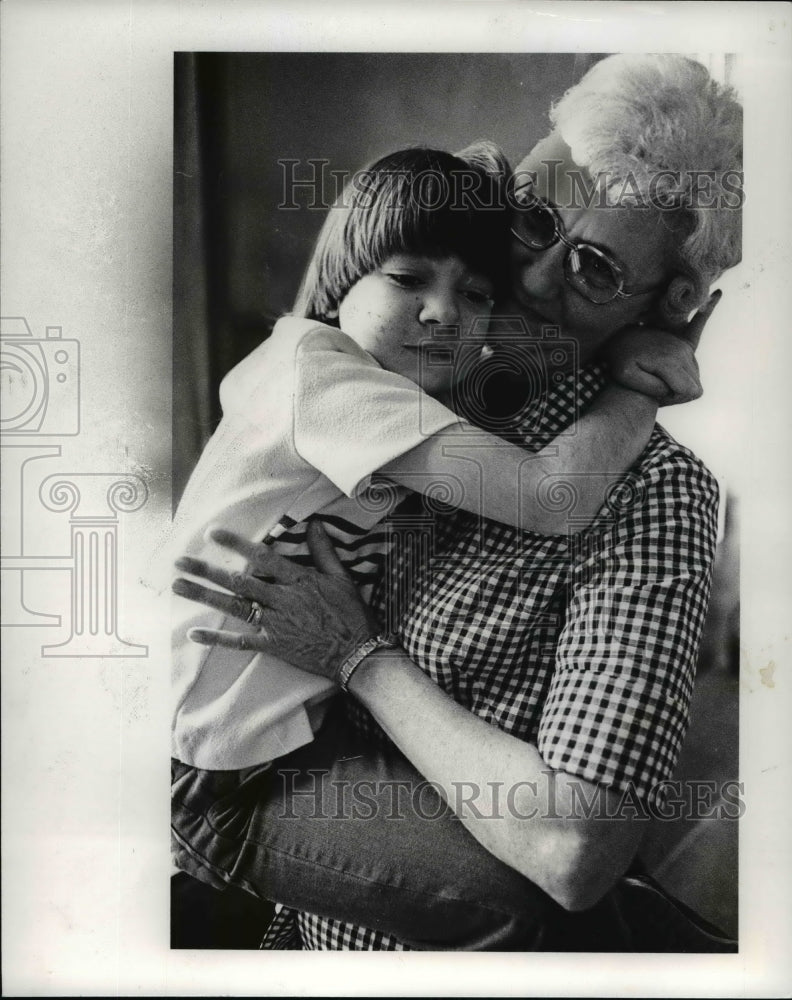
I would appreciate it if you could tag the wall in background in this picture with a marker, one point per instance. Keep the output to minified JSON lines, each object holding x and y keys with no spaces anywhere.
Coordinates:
{"x":238,"y":256}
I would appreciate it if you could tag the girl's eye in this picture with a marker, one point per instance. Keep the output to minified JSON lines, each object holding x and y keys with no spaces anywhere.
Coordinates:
{"x":404,"y":280}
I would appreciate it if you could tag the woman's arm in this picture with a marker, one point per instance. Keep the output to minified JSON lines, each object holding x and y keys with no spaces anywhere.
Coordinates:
{"x":508,"y":798}
{"x":516,"y":806}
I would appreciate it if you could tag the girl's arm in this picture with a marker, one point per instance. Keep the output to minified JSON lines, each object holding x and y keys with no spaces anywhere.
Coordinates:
{"x":503,"y":482}
{"x":506,"y":483}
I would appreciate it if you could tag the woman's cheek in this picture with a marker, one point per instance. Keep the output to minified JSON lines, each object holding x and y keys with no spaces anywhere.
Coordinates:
{"x":589,"y":328}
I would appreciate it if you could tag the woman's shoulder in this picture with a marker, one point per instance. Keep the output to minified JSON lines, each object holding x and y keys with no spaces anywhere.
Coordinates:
{"x":672,"y":476}
{"x":665,"y":455}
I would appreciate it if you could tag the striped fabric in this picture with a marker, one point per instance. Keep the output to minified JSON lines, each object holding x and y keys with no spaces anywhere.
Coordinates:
{"x":584,"y":644}
{"x":363,"y":551}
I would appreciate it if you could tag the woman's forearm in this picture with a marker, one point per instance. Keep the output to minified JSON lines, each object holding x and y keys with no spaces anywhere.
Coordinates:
{"x":517,"y":807}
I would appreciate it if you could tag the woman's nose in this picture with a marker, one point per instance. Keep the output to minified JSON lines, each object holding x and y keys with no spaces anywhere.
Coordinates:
{"x":439,"y":307}
{"x":541,"y":272}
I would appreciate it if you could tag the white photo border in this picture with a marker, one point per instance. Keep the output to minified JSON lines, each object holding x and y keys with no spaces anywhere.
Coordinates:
{"x":86,"y":106}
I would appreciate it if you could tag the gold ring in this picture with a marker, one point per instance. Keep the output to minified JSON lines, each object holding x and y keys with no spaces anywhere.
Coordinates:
{"x":256,"y":614}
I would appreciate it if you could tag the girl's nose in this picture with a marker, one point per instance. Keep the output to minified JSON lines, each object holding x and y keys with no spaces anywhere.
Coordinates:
{"x":439,"y":307}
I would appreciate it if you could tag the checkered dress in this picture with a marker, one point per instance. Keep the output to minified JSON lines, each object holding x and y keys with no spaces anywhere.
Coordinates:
{"x":584,"y":644}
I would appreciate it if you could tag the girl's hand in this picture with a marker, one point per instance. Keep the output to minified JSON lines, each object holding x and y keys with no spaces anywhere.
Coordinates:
{"x":658,"y":363}
{"x":311,"y":618}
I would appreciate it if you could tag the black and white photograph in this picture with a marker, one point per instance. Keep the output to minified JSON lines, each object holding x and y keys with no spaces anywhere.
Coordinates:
{"x":492,"y":661}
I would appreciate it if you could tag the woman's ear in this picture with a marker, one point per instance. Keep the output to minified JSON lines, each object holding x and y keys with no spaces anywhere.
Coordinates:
{"x":681,"y":297}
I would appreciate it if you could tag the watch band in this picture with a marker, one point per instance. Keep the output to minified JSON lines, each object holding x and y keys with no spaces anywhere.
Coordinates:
{"x":356,"y":657}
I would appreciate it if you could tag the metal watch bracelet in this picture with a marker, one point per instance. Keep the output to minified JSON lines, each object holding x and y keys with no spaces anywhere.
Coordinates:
{"x":356,"y":657}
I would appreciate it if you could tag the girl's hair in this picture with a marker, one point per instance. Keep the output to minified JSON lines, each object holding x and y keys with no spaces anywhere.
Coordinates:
{"x":416,"y":200}
{"x":661,"y":122}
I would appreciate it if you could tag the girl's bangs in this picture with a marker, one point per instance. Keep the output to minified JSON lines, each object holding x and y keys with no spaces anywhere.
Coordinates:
{"x":431,"y":213}
{"x":417,"y":201}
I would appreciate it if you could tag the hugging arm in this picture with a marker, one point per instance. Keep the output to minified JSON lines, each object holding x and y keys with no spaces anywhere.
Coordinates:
{"x":617,"y":707}
{"x":505,"y":483}
{"x":615,"y":713}
{"x":575,"y":863}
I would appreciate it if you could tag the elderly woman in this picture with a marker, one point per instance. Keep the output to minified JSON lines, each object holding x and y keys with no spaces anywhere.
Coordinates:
{"x":540,"y":685}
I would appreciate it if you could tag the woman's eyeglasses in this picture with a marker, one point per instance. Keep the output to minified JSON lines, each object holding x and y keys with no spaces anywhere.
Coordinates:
{"x":589,"y":270}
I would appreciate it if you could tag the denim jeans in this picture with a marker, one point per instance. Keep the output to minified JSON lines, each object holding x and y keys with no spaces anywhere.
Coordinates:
{"x":347,"y":829}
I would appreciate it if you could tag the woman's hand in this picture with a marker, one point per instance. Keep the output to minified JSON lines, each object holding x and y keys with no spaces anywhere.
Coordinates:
{"x":311,"y":618}
{"x":658,"y":363}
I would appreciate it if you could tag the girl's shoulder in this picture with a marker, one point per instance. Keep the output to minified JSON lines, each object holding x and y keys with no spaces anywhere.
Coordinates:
{"x":292,"y":342}
{"x":297,"y":335}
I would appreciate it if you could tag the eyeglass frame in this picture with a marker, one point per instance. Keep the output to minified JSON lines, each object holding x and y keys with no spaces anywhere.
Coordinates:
{"x":560,"y":236}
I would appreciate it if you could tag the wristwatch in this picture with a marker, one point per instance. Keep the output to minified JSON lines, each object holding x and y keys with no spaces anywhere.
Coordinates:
{"x":356,"y":657}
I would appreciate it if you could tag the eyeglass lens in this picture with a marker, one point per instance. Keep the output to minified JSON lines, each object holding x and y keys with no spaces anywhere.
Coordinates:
{"x":587,"y":269}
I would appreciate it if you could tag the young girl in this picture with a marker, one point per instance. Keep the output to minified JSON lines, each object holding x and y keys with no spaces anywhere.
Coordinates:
{"x":351,"y":385}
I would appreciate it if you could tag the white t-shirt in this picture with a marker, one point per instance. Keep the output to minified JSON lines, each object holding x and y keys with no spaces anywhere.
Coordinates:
{"x":307,"y":418}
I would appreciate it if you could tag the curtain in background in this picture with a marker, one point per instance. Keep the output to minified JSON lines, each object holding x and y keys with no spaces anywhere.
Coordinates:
{"x":201,"y":327}
{"x":191,"y":407}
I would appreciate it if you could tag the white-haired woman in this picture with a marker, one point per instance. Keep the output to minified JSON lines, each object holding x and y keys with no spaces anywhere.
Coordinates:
{"x":540,"y":686}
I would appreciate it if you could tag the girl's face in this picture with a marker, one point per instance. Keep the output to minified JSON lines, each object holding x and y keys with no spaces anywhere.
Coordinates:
{"x":392,"y":312}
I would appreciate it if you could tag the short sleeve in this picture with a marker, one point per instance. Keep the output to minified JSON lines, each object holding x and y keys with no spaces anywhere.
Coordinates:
{"x":618,"y":704}
{"x":351,"y":416}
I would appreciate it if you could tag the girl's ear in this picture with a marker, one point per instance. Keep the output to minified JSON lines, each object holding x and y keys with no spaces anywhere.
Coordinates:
{"x":332,"y":313}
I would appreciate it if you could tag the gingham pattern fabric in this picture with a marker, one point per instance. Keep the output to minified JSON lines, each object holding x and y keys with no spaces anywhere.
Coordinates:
{"x":584,"y":644}
{"x":283,"y":933}
{"x":322,"y":934}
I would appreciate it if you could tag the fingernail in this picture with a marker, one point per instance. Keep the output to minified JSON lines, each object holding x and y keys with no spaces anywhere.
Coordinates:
{"x":216,"y":534}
